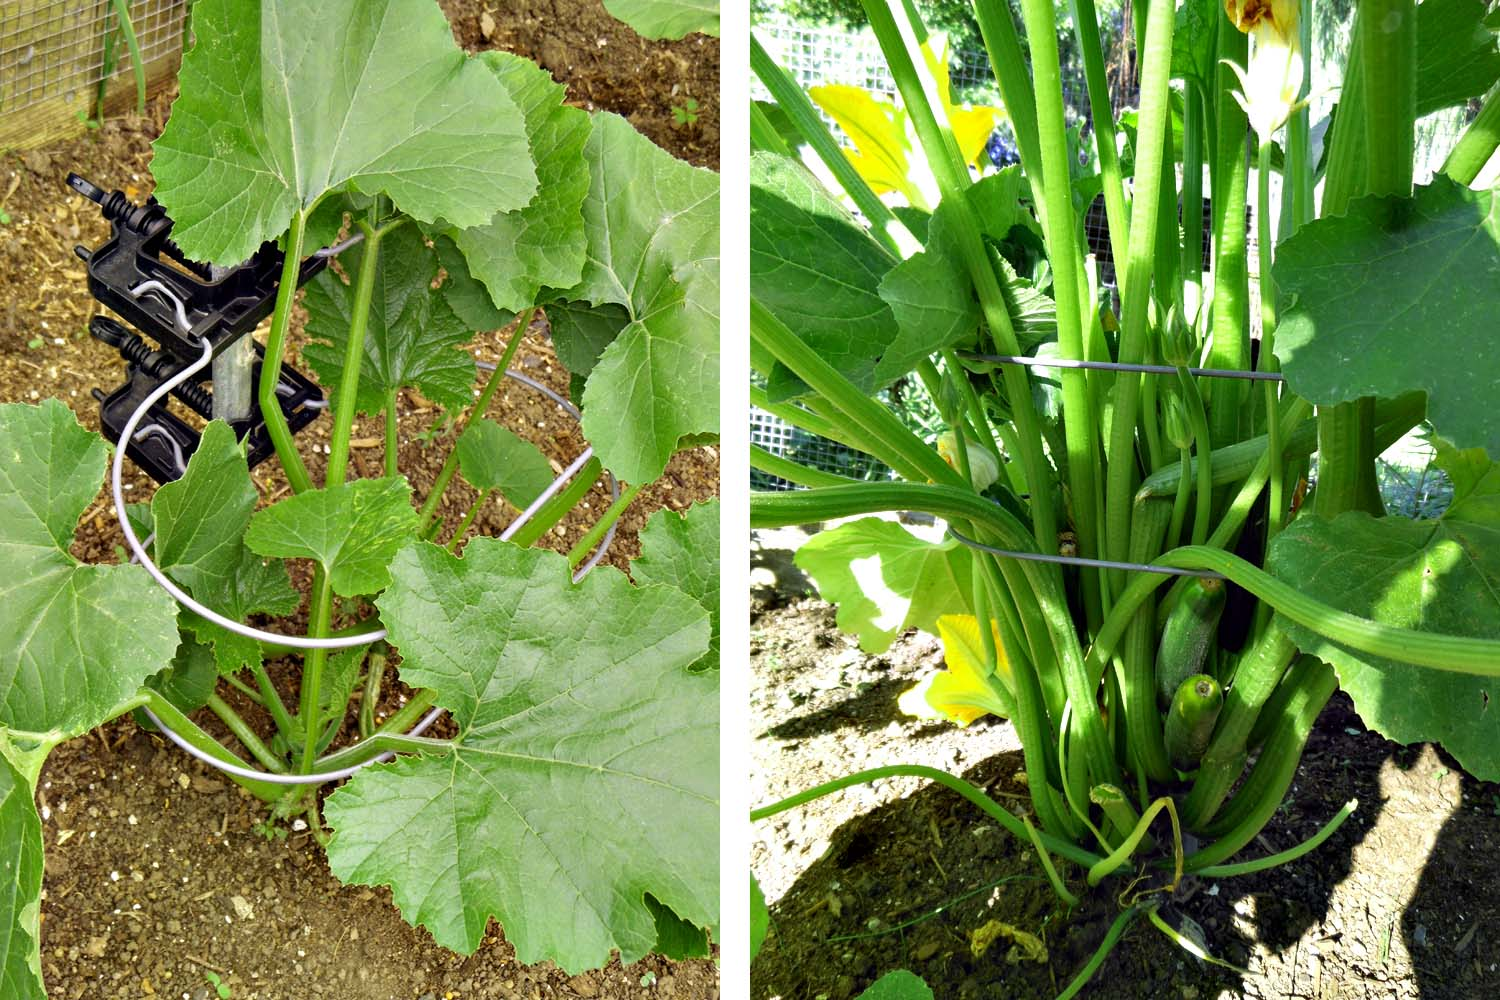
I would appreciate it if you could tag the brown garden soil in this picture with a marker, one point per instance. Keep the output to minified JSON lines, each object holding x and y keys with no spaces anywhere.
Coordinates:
{"x":1402,"y":902}
{"x":158,"y":871}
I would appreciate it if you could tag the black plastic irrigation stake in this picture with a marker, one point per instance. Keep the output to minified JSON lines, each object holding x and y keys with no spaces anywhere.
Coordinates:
{"x":141,"y":275}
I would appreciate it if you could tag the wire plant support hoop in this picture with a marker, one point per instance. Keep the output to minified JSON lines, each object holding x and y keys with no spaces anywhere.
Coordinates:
{"x":139,"y":554}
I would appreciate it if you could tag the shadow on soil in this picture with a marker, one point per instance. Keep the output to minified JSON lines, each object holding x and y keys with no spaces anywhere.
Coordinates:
{"x":1385,"y":908}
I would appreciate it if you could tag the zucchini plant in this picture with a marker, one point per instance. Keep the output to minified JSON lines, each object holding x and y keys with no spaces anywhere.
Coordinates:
{"x":1132,"y":573}
{"x":576,"y":800}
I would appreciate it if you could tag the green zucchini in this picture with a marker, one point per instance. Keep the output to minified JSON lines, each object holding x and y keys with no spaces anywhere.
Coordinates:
{"x":1190,"y":720}
{"x":1187,"y":635}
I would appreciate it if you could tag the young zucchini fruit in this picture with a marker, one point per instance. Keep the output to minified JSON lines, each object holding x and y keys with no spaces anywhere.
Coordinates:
{"x":1190,"y":720}
{"x":1187,"y":636}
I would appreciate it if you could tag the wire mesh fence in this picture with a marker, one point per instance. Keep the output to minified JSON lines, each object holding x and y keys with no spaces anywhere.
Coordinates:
{"x":58,"y":50}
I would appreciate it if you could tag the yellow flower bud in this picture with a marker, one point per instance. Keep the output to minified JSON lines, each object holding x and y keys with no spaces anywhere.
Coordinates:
{"x":1274,"y":78}
{"x":984,"y":465}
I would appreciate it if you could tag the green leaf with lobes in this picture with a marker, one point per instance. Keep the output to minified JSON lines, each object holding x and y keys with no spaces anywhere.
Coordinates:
{"x":352,"y":530}
{"x":898,"y":985}
{"x":653,"y":247}
{"x":283,"y":101}
{"x":540,"y":245}
{"x":492,"y":458}
{"x":885,"y":579}
{"x":200,"y":522}
{"x":80,"y":639}
{"x":1440,"y":576}
{"x":682,"y":551}
{"x":667,"y":18}
{"x":1371,"y":306}
{"x":585,"y":772}
{"x":412,"y":335}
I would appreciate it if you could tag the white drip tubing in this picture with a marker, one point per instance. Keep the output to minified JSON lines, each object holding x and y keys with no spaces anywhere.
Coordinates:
{"x":138,"y":555}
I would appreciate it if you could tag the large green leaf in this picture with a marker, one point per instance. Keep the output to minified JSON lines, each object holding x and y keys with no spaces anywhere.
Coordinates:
{"x":667,"y":18}
{"x":760,"y":918}
{"x":412,"y":335}
{"x":1399,"y":294}
{"x":20,"y":880}
{"x":284,"y":100}
{"x":586,"y":770}
{"x":1433,"y":576}
{"x":1456,"y":54}
{"x":79,"y":639}
{"x":542,"y":244}
{"x":1193,"y":48}
{"x":200,"y":523}
{"x":352,"y":530}
{"x":682,"y":551}
{"x":818,"y":271}
{"x":492,"y":458}
{"x":885,"y":580}
{"x":653,"y":235}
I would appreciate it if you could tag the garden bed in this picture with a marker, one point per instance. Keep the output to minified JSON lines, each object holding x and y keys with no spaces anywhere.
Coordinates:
{"x":158,"y":871}
{"x":1400,"y":903}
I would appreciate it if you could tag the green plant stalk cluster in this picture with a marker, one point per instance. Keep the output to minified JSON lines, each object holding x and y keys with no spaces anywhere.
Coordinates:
{"x":1082,"y":693}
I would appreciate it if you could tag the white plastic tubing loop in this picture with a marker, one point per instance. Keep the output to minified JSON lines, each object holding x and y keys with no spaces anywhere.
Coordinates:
{"x":306,"y":642}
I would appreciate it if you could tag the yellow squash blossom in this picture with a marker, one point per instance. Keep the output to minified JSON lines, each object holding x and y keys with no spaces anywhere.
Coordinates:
{"x":984,"y":465}
{"x":884,"y":139}
{"x":1270,"y":86}
{"x":966,"y":689}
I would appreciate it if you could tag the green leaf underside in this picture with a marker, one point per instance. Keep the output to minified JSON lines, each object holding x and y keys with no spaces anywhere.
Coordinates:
{"x":518,"y":253}
{"x":581,"y":332}
{"x":898,"y":985}
{"x":284,"y":100}
{"x":191,"y":678}
{"x":492,"y":458}
{"x":352,"y":530}
{"x":80,"y":639}
{"x":676,"y":938}
{"x":667,"y":18}
{"x":818,"y":271}
{"x":1375,"y":307}
{"x":682,"y":551}
{"x":885,"y":580}
{"x":1456,"y":54}
{"x":200,"y":523}
{"x":586,"y":772}
{"x":412,"y":335}
{"x":20,"y":884}
{"x":653,"y":236}
{"x":1434,"y":576}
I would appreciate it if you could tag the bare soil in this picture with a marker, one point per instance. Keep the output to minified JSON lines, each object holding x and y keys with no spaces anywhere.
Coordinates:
{"x":1403,"y":902}
{"x":158,"y":872}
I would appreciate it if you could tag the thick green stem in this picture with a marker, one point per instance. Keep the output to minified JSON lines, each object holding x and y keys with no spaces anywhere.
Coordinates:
{"x":320,"y":615}
{"x":392,"y":437}
{"x":562,"y":502}
{"x":599,"y":528}
{"x":793,"y":472}
{"x":270,"y":371}
{"x":1192,"y":402}
{"x":346,"y":397}
{"x":271,"y":698}
{"x":1230,"y":345}
{"x":195,"y":736}
{"x":1478,"y":143}
{"x":1086,"y":29}
{"x":1150,"y":146}
{"x":242,"y":732}
{"x":374,"y":675}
